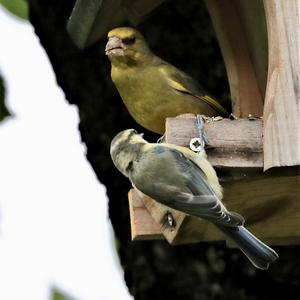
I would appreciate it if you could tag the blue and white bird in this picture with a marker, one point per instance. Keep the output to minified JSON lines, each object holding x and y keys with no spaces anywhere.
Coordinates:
{"x":181,"y":179}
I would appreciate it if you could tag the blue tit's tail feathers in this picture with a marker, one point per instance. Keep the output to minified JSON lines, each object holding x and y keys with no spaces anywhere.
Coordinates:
{"x":256,"y":251}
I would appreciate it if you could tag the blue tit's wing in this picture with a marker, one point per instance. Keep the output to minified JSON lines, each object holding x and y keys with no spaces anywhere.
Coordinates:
{"x":185,"y":84}
{"x":169,"y":177}
{"x":202,"y":198}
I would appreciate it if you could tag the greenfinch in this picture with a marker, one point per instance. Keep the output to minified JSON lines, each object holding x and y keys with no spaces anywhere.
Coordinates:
{"x":181,"y":179}
{"x":151,"y":88}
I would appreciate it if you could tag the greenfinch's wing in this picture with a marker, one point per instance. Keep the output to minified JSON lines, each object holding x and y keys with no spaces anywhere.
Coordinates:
{"x":185,"y":84}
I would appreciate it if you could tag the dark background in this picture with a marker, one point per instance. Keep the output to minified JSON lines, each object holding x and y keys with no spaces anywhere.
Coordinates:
{"x":180,"y":32}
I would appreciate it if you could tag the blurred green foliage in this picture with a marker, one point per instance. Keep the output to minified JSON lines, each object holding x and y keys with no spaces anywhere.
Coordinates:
{"x":3,"y":110}
{"x":57,"y":295}
{"x":18,"y":8}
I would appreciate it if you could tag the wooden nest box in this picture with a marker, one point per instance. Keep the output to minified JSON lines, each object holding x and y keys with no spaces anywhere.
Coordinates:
{"x":257,"y":156}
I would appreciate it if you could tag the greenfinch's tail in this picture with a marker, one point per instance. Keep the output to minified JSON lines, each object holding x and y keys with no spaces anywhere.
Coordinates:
{"x":215,"y":104}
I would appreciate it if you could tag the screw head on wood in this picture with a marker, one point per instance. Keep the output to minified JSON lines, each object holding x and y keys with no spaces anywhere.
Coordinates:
{"x":168,"y":220}
{"x":196,"y":145}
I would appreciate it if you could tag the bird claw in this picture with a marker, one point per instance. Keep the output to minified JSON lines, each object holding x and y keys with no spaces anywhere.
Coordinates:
{"x":161,"y":139}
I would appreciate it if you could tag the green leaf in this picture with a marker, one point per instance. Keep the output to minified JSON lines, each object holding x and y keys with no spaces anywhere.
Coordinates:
{"x":17,"y":7}
{"x":3,"y":110}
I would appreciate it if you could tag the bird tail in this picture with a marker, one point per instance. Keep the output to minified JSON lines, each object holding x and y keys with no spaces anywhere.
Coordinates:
{"x":256,"y":251}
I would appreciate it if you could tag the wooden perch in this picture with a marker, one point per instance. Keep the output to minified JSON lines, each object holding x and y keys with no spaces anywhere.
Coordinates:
{"x":265,"y":200}
{"x":143,"y":226}
{"x":232,"y":143}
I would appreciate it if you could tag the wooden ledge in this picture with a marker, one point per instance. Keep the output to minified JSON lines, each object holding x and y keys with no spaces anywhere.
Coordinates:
{"x":270,"y":205}
{"x":232,"y":143}
{"x":270,"y":202}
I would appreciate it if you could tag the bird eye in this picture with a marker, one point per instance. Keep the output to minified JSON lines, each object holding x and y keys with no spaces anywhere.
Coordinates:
{"x":129,"y":40}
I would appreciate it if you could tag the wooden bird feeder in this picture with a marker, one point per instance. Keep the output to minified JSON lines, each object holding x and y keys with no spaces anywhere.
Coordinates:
{"x":257,"y":158}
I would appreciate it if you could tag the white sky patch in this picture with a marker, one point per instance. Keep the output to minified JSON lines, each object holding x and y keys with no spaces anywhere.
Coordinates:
{"x":54,"y":227}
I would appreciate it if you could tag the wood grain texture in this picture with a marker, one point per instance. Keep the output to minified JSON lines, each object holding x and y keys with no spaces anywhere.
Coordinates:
{"x":269,"y":204}
{"x":158,"y":212}
{"x":232,"y":143}
{"x":143,"y":226}
{"x":282,"y":103}
{"x":240,"y":27}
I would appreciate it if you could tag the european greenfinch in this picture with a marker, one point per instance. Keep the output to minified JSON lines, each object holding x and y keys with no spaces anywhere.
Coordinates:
{"x":151,"y":88}
{"x":181,"y":179}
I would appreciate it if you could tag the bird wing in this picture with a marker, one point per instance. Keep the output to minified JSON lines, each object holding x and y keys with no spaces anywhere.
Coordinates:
{"x":185,"y":84}
{"x":169,"y":177}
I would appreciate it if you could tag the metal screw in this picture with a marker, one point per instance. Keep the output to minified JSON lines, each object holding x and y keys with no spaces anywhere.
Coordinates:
{"x":168,"y":220}
{"x":196,"y":144}
{"x":232,"y":117}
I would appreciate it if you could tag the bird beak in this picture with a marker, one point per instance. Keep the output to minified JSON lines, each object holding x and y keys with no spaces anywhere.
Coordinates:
{"x":114,"y":46}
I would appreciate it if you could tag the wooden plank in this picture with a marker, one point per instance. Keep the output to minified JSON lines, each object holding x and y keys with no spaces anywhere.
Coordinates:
{"x":270,"y":205}
{"x":143,"y":226}
{"x":252,"y":16}
{"x":91,"y":20}
{"x":282,"y":104}
{"x":158,"y":212}
{"x":238,"y":33}
{"x":138,"y":10}
{"x":266,"y":200}
{"x":233,"y":143}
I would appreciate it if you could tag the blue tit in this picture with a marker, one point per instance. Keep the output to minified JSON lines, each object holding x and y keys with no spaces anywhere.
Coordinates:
{"x":183,"y":180}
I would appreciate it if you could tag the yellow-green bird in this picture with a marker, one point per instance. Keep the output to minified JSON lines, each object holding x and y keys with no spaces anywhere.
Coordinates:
{"x":151,"y":88}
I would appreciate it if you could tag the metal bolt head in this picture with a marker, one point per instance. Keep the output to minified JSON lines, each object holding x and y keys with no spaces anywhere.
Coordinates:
{"x":232,"y":117}
{"x":196,"y":145}
{"x":168,"y":220}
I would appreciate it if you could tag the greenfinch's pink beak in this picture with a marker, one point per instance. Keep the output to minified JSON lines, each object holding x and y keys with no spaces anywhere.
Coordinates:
{"x":114,"y":46}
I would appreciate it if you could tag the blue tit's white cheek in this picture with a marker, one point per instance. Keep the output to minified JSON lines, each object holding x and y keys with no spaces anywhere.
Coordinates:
{"x":119,"y":139}
{"x":124,"y":161}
